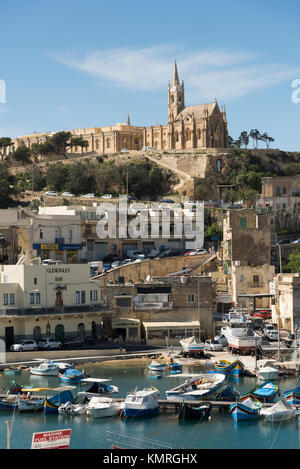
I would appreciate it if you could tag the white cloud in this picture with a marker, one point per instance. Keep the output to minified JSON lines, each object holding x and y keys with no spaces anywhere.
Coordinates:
{"x":224,"y":74}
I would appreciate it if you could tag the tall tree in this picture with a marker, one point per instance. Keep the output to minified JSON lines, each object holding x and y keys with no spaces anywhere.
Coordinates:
{"x":60,"y":143}
{"x":244,"y":138}
{"x":5,"y":142}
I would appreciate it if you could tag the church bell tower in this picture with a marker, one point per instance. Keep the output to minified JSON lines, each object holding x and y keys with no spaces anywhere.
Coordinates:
{"x":175,"y":96}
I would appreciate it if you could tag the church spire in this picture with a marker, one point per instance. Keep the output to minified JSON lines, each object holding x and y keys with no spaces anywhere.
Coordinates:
{"x":175,"y":75}
{"x":128,"y":120}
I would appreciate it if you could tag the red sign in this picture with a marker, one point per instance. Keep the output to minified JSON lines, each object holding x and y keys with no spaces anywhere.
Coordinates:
{"x":57,"y":439}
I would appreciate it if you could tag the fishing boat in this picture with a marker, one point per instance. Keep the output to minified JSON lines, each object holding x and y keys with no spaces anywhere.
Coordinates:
{"x":31,"y":403}
{"x":234,"y":368}
{"x":64,"y":395}
{"x":189,"y":412}
{"x":292,"y":396}
{"x":13,"y":370}
{"x":190,"y":345}
{"x":197,"y":387}
{"x":241,"y":337}
{"x":72,"y":375}
{"x":245,"y":409}
{"x":98,"y":387}
{"x":141,"y":403}
{"x":279,"y":412}
{"x":103,"y":407}
{"x":175,"y":368}
{"x":265,"y":392}
{"x":156,"y":366}
{"x":45,"y":368}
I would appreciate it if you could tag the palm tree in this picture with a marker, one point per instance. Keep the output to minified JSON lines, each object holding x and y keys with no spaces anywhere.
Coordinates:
{"x":244,"y":137}
{"x":254,"y":134}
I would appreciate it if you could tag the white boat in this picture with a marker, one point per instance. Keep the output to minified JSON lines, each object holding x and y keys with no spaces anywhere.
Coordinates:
{"x":75,"y":407}
{"x":30,"y":404}
{"x":98,"y":387}
{"x":191,"y":345}
{"x":62,"y":366}
{"x":278,"y":412}
{"x":268,"y":373}
{"x":197,"y":387}
{"x":156,"y":366}
{"x":141,"y":403}
{"x":241,"y":337}
{"x":46,"y":368}
{"x":103,"y":407}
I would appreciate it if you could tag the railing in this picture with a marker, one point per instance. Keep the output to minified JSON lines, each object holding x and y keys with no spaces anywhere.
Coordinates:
{"x":46,"y":311}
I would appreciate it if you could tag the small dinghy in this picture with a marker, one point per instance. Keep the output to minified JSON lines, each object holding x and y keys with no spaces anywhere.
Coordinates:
{"x":175,"y":368}
{"x":278,"y":412}
{"x":265,"y":392}
{"x":98,"y":387}
{"x":234,"y":368}
{"x":156,"y":366}
{"x":72,"y":375}
{"x":199,"y":413}
{"x":45,"y":368}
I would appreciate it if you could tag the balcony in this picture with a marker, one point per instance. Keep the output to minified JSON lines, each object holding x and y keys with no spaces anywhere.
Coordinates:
{"x":8,"y":312}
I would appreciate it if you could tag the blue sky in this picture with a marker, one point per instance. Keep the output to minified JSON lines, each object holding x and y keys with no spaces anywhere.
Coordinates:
{"x":69,"y":64}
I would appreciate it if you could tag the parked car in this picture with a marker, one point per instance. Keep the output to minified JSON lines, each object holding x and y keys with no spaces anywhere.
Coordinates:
{"x":214,"y":345}
{"x":89,"y":196}
{"x":24,"y":346}
{"x":262,"y":314}
{"x":107,"y":196}
{"x":296,"y":241}
{"x":166,"y":201}
{"x":51,"y":193}
{"x":222,"y":339}
{"x":272,"y":335}
{"x":73,"y":342}
{"x":48,"y":344}
{"x":198,"y":251}
{"x":268,"y":328}
{"x":187,"y":253}
{"x":106,"y":267}
{"x":284,"y":241}
{"x":67,"y":194}
{"x":124,"y":150}
{"x":127,"y":261}
{"x":48,"y":261}
{"x":116,"y":264}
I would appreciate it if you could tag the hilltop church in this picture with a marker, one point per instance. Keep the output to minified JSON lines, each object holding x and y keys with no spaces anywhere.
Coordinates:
{"x":201,"y":126}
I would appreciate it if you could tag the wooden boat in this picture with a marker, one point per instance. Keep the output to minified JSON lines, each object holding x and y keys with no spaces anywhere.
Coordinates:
{"x":64,"y":395}
{"x":45,"y":368}
{"x":265,"y":392}
{"x":245,"y":409}
{"x":156,"y":366}
{"x":279,"y":412}
{"x":241,"y":337}
{"x":103,"y":407}
{"x":31,"y":403}
{"x":234,"y":368}
{"x":200,"y":413}
{"x":72,"y":375}
{"x":190,"y":345}
{"x":98,"y":387}
{"x":292,"y":396}
{"x":197,"y":387}
{"x":142,"y":403}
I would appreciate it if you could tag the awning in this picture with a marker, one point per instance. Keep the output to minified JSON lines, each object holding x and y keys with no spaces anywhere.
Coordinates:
{"x":171,"y":325}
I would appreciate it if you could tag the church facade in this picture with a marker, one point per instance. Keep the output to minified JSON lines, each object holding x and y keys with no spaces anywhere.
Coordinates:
{"x":201,"y":126}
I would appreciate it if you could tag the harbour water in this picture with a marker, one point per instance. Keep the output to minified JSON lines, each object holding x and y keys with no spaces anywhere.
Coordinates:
{"x":88,"y":433}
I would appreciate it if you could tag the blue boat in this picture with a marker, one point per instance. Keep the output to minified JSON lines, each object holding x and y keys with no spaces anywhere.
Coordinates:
{"x":72,"y":375}
{"x":52,"y":404}
{"x":246,"y":409}
{"x":265,"y":392}
{"x":156,"y":366}
{"x":175,"y":369}
{"x":292,"y":395}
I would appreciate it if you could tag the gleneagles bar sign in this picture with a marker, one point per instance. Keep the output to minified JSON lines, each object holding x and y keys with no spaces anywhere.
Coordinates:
{"x":58,"y":270}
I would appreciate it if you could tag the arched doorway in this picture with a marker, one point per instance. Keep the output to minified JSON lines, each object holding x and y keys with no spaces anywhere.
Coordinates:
{"x":59,"y":332}
{"x":81,"y":330}
{"x":37,"y":333}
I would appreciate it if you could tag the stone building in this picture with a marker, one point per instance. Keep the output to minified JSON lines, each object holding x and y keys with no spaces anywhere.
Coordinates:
{"x":286,"y":288}
{"x":40,"y":300}
{"x":173,"y":307}
{"x":280,"y":193}
{"x":189,"y":127}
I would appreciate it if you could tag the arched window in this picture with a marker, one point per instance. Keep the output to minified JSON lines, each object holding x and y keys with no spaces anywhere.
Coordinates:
{"x":188,"y":134}
{"x":97,"y":144}
{"x":176,"y":136}
{"x":199,"y":134}
{"x":172,"y":99}
{"x":108,"y":142}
